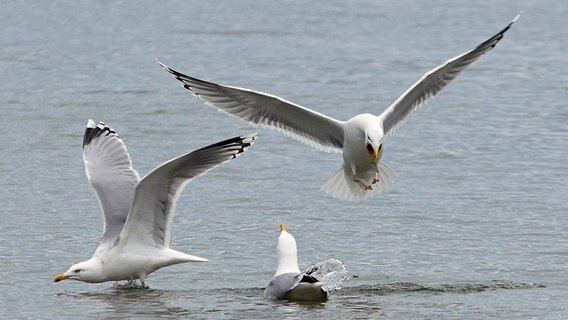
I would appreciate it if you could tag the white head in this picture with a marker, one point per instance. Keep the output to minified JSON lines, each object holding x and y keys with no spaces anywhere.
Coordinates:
{"x":287,"y":253}
{"x":86,"y":271}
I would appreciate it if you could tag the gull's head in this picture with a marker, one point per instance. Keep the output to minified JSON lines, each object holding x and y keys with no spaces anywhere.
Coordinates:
{"x":287,"y":252}
{"x":365,"y":131}
{"x":86,"y":271}
{"x":374,"y":144}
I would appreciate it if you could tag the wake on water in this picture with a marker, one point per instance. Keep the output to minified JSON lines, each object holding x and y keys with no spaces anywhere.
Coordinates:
{"x":458,"y":288}
{"x":333,"y":273}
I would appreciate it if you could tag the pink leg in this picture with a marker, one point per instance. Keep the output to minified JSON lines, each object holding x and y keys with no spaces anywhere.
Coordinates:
{"x":364,"y":185}
{"x":377,"y":178}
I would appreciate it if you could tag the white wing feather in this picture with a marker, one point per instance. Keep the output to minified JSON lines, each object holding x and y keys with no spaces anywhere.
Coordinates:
{"x":110,"y":172}
{"x":149,"y":220}
{"x":308,"y":126}
{"x":433,"y":82}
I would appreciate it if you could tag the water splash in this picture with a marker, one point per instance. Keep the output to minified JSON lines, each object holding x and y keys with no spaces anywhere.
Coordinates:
{"x":331,"y":272}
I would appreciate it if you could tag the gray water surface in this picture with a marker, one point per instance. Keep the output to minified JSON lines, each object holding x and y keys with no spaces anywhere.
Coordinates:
{"x":476,"y":225}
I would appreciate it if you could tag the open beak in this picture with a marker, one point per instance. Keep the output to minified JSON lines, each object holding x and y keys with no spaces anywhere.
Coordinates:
{"x":282,"y":227}
{"x":61,"y":277}
{"x":373,"y":152}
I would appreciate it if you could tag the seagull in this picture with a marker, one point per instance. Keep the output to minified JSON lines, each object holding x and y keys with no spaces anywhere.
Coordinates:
{"x":288,"y":282}
{"x":138,"y":212}
{"x":360,"y":139}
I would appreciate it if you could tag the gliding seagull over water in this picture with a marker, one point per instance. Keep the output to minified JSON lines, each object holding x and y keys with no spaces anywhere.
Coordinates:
{"x":360,"y":138}
{"x":138,"y":213}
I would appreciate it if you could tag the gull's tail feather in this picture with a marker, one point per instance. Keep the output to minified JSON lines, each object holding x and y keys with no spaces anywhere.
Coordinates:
{"x":176,"y":257}
{"x":387,"y":175}
{"x":343,"y":186}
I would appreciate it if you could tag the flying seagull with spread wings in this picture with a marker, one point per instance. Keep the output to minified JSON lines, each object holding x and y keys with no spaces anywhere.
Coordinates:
{"x":138,"y":212}
{"x":360,"y":138}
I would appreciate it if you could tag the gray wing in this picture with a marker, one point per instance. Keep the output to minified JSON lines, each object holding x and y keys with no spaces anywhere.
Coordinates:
{"x":434,"y":81}
{"x":109,"y":170}
{"x":281,"y":284}
{"x":149,"y":220}
{"x":310,"y":127}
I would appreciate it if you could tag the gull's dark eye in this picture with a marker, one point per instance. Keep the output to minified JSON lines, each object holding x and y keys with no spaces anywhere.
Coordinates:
{"x":370,"y":148}
{"x":77,"y":270}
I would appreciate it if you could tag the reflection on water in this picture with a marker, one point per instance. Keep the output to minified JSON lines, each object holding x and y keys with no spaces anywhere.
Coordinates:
{"x":134,"y":301}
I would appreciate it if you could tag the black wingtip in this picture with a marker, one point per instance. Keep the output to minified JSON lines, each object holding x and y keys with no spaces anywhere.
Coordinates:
{"x":93,"y":130}
{"x":188,"y":82}
{"x":243,"y":142}
{"x":246,"y":141}
{"x":309,"y":279}
{"x":168,"y":69}
{"x":178,"y":75}
{"x":510,"y":24}
{"x":493,"y":41}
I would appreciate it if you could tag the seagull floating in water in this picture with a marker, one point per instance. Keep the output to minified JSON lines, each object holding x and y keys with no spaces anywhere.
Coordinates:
{"x":360,"y":138}
{"x":138,"y":212}
{"x":288,"y":282}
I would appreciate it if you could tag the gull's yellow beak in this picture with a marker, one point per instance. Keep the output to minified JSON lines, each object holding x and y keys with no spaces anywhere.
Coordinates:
{"x":282,"y":227}
{"x":373,"y":152}
{"x":61,"y":277}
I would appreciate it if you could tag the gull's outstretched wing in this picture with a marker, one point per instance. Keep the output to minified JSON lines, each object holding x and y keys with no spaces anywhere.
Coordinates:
{"x":150,"y":217}
{"x":434,"y":81}
{"x":310,"y":127}
{"x":109,"y":170}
